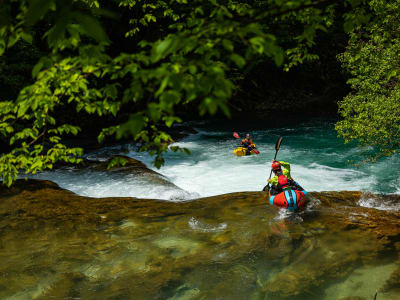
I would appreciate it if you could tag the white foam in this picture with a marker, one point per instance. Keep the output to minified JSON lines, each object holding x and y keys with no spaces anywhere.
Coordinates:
{"x":99,"y":184}
{"x":317,"y":177}
{"x":378,"y":203}
{"x":204,"y":227}
{"x":222,"y":174}
{"x":318,"y":163}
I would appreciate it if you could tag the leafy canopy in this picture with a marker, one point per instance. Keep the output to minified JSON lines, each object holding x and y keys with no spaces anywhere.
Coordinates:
{"x":177,"y":53}
{"x":371,"y":113}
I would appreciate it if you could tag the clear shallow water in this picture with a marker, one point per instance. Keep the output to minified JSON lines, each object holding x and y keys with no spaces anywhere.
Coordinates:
{"x":56,"y":245}
{"x":320,"y":161}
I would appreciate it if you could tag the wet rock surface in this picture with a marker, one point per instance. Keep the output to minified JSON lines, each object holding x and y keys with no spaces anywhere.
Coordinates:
{"x":129,"y":169}
{"x":130,"y":166}
{"x":55,"y":244}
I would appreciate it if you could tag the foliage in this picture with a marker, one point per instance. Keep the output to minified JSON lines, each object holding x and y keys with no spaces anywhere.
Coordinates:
{"x":178,"y":52}
{"x":371,"y":113}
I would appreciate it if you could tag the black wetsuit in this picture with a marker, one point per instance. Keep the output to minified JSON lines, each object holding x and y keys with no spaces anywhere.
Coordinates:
{"x":248,"y":147}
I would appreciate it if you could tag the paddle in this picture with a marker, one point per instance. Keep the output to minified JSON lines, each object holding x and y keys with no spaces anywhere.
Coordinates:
{"x":236,"y":135}
{"x":277,"y":146}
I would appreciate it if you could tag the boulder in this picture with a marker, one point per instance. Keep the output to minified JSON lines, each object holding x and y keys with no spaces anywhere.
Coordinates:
{"x":55,"y":243}
{"x":130,"y":166}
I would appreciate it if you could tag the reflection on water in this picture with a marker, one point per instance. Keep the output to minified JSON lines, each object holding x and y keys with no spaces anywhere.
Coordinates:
{"x":228,"y":247}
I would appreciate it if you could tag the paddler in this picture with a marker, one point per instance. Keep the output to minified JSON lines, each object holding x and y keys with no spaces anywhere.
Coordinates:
{"x":282,"y":179}
{"x":247,"y":143}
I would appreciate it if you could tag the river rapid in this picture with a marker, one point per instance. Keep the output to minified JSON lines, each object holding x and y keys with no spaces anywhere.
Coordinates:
{"x":87,"y":245}
{"x":320,"y":161}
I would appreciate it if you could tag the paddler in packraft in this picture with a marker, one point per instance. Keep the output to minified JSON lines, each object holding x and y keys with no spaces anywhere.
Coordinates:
{"x":247,"y":143}
{"x":246,"y":146}
{"x":282,"y":179}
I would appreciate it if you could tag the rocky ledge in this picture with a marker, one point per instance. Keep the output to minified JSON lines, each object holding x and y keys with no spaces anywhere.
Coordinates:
{"x":56,"y":244}
{"x":130,"y":170}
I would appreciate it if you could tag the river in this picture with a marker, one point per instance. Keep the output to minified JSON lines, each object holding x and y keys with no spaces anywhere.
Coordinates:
{"x":344,"y":245}
{"x":320,"y":161}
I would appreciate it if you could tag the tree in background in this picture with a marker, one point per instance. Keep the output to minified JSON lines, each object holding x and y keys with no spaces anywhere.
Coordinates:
{"x":136,"y":62}
{"x":371,"y":112}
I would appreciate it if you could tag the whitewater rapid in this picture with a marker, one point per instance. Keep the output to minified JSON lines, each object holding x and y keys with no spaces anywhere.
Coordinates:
{"x":319,"y":162}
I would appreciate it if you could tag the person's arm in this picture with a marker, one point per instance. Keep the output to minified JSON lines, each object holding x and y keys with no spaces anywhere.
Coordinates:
{"x":273,"y":180}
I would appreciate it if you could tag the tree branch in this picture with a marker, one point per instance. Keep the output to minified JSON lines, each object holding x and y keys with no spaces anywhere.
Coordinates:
{"x":38,"y":137}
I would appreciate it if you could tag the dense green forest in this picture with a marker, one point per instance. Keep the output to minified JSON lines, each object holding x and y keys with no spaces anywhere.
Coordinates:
{"x":128,"y":69}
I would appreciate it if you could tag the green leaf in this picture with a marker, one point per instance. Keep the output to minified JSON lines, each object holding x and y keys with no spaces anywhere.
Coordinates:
{"x":101,"y":137}
{"x":227,"y":45}
{"x":12,"y":40}
{"x":74,"y":130}
{"x":36,"y":165}
{"x":27,"y":37}
{"x":170,"y":120}
{"x":163,"y":85}
{"x":238,"y":60}
{"x":37,"y":9}
{"x":22,"y":109}
{"x":36,"y":69}
{"x":169,"y":99}
{"x":348,"y":26}
{"x":116,"y":162}
{"x":258,"y":44}
{"x":135,"y":124}
{"x":92,"y":27}
{"x":161,"y":49}
{"x":57,"y":33}
{"x":154,"y":111}
{"x":209,"y":104}
{"x":278,"y":58}
{"x":2,"y":46}
{"x":192,"y":69}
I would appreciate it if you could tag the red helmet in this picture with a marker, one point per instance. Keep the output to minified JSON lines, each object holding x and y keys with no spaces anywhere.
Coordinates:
{"x":276,"y":165}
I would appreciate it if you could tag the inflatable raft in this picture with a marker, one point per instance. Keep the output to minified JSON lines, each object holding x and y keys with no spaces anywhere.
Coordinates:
{"x":291,"y":199}
{"x":241,"y":151}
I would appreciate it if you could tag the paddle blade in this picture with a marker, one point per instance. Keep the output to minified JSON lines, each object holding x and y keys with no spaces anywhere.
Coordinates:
{"x":236,"y":135}
{"x":278,"y":144}
{"x":256,"y":151}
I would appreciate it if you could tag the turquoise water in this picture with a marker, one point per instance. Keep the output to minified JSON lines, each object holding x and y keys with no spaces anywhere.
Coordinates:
{"x":320,"y":161}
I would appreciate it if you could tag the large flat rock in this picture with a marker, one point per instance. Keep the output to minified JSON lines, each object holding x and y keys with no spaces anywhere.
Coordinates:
{"x":56,"y":244}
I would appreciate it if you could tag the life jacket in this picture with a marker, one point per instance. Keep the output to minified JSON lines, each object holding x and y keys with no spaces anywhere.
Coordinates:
{"x":283,"y":181}
{"x":245,"y":143}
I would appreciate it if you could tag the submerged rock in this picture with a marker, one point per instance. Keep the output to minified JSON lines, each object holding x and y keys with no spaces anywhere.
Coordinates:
{"x":393,"y":283}
{"x":131,"y":166}
{"x":97,"y":178}
{"x":55,"y":243}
